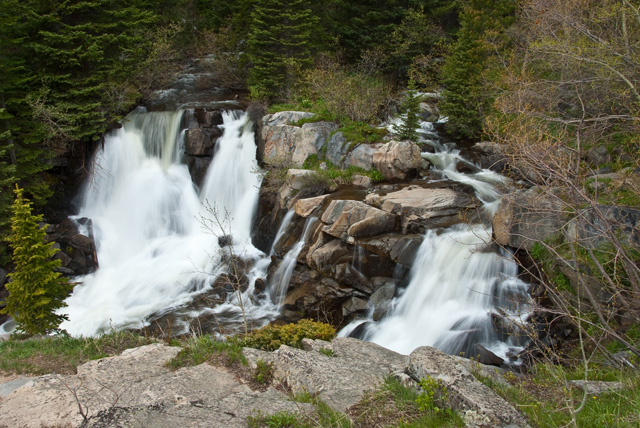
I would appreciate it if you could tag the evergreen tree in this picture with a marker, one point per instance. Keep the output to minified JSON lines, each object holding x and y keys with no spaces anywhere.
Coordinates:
{"x":407,"y":128}
{"x":36,"y":290}
{"x":84,"y":52}
{"x":22,"y":157}
{"x":279,"y":45}
{"x":470,"y":71}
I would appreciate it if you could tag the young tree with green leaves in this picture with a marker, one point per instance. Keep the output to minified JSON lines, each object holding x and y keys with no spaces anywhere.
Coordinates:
{"x":36,"y":290}
{"x":471,"y":71}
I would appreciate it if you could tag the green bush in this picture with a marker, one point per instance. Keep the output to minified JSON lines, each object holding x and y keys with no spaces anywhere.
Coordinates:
{"x":270,"y":338}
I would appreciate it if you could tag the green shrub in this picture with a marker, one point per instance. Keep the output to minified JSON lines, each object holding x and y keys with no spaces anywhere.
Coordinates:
{"x":270,"y":338}
{"x":264,"y":372}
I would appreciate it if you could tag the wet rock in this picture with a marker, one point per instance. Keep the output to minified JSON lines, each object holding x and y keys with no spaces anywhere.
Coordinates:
{"x":465,"y":392}
{"x":208,"y":118}
{"x":259,"y":285}
{"x":381,"y":300}
{"x":200,"y":142}
{"x":489,"y":155}
{"x":528,"y":216}
{"x":198,"y":168}
{"x":429,"y":112}
{"x":354,"y":305}
{"x":485,"y":356}
{"x":396,"y":159}
{"x":398,"y":248}
{"x":422,"y":208}
{"x":78,"y":252}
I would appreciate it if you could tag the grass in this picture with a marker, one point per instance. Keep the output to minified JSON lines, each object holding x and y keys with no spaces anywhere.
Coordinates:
{"x":199,"y":349}
{"x":548,"y":400}
{"x":62,"y":354}
{"x":333,"y":172}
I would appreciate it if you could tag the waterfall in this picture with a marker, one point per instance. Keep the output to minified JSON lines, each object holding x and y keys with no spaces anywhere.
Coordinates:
{"x":461,"y":290}
{"x":282,"y":276}
{"x":454,"y":285}
{"x":148,"y":219}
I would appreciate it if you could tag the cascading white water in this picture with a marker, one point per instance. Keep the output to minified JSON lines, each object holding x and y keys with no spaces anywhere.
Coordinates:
{"x":454,"y":284}
{"x":148,"y":220}
{"x":459,"y":285}
{"x":282,"y":276}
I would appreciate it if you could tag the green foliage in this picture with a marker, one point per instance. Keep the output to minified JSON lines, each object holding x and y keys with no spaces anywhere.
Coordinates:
{"x":271,"y":337}
{"x":407,"y":129}
{"x":264,"y":372}
{"x":469,"y":73}
{"x":395,"y":404}
{"x":326,"y":351}
{"x":433,"y":396}
{"x":548,"y":400}
{"x":36,"y":290}
{"x":346,"y":94}
{"x":62,"y":353}
{"x":200,"y":349}
{"x":332,"y":172}
{"x":278,"y":46}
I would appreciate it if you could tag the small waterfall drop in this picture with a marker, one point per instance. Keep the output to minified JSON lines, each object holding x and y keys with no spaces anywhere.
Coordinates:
{"x":282,"y":276}
{"x":148,"y":220}
{"x":462,"y":291}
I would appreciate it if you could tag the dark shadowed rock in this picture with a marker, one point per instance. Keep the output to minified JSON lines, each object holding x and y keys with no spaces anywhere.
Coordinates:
{"x":485,"y":356}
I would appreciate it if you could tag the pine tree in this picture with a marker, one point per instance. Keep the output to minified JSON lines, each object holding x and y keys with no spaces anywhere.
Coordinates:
{"x":407,"y":128}
{"x":279,"y":45}
{"x":36,"y":290}
{"x":470,"y":71}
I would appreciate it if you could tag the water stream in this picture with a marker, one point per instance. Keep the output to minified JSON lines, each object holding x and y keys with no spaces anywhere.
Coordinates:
{"x":156,"y":234}
{"x":462,"y":291}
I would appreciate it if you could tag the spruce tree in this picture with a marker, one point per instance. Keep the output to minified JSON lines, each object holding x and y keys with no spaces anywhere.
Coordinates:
{"x":469,"y":73}
{"x":279,"y":45}
{"x":407,"y":128}
{"x":36,"y":290}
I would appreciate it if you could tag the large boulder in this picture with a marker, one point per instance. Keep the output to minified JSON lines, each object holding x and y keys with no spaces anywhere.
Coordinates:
{"x":396,"y":159}
{"x":200,"y":142}
{"x":528,"y":216}
{"x":424,"y":208}
{"x":361,"y":156}
{"x":347,"y":219}
{"x":137,"y":389}
{"x":477,"y":402}
{"x":286,"y":143}
{"x":77,"y":250}
{"x":342,"y":380}
{"x":591,"y":226}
